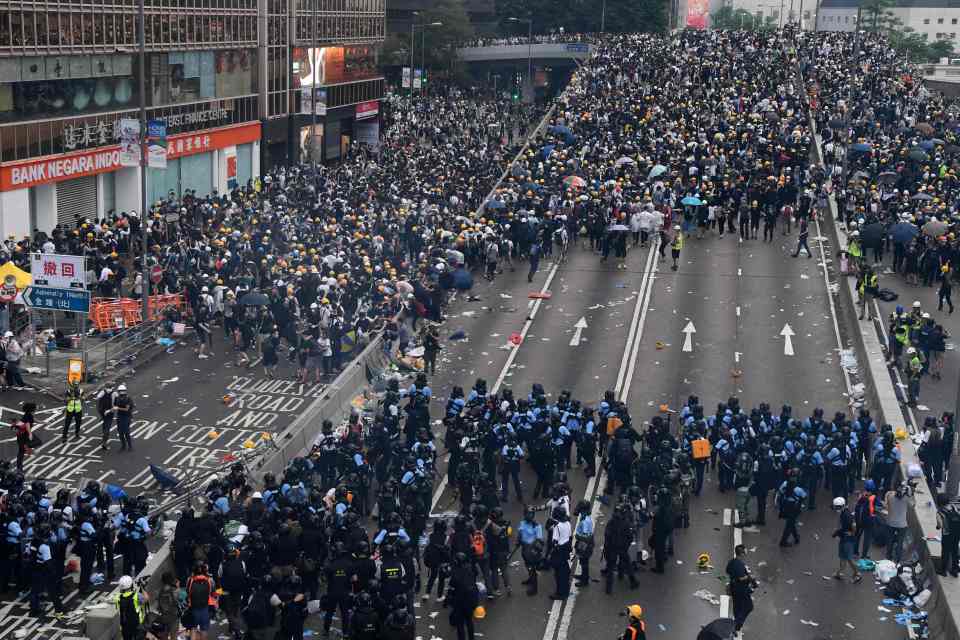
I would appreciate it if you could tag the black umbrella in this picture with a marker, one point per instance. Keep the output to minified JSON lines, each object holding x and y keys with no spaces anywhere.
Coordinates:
{"x":918,"y":154}
{"x":719,"y":629}
{"x":872,"y":235}
{"x":255,"y":299}
{"x":888,"y":177}
{"x":837,"y":123}
{"x":951,"y":148}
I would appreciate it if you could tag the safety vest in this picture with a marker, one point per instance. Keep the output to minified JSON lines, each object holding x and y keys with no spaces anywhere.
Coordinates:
{"x":854,"y":249}
{"x":902,"y":334}
{"x":136,"y":603}
{"x":74,"y":402}
{"x":868,"y":282}
{"x":677,"y":242}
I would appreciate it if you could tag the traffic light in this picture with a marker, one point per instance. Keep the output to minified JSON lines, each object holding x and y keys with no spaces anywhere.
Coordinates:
{"x":515,"y":96}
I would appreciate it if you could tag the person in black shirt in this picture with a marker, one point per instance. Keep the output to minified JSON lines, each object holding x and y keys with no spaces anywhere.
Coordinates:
{"x":741,"y":586}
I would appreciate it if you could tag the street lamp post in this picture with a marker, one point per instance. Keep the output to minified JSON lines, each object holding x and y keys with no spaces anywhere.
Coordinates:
{"x":423,"y":55}
{"x":142,"y":55}
{"x":413,"y":23}
{"x":529,"y":22}
{"x":603,"y":17}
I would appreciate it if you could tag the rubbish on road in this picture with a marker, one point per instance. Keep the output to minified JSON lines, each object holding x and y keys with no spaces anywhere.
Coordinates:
{"x":809,"y":623}
{"x":866,"y":564}
{"x":659,"y":344}
{"x":96,"y":579}
{"x":171,"y":380}
{"x":506,"y":296}
{"x":459,"y":334}
{"x":880,"y":607}
{"x":786,"y":612}
{"x":707,"y":596}
{"x":923,"y":407}
{"x":516,"y":338}
{"x":662,"y":627}
{"x":884,"y":570}
{"x":849,"y":626}
{"x":546,"y":295}
{"x":921,"y":598}
{"x":790,"y":581}
{"x":468,"y":314}
{"x":762,"y":563}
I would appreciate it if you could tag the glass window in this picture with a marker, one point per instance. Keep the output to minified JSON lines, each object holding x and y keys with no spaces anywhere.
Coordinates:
{"x":926,"y":21}
{"x":939,"y":20}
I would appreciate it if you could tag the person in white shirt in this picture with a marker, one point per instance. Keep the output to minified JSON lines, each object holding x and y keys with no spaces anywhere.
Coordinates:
{"x":560,"y":547}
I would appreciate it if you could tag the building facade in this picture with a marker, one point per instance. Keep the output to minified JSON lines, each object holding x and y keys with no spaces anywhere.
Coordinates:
{"x":936,"y":19}
{"x":225,"y":76}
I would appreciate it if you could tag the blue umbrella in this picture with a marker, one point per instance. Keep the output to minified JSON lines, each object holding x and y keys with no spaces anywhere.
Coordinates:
{"x":495,"y":204}
{"x":903,"y":232}
{"x":165,"y":479}
{"x":115,"y":492}
{"x":658,"y":170}
{"x":861,"y":147}
{"x":564,"y":132}
{"x":547,"y":150}
{"x":462,"y":279}
{"x":533,"y":186}
{"x":691,"y":201}
{"x":927,"y":144}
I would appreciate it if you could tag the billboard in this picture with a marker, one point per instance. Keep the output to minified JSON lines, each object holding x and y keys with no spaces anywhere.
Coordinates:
{"x":335,"y":65}
{"x":697,"y":11}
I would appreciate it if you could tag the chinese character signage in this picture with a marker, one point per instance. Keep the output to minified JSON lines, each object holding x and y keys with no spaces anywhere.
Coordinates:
{"x":58,"y":271}
{"x":367,"y":109}
{"x":129,"y":142}
{"x":50,"y":169}
{"x":697,"y":11}
{"x":417,"y":74}
{"x":230,"y":153}
{"x":157,"y":144}
{"x":405,"y":83}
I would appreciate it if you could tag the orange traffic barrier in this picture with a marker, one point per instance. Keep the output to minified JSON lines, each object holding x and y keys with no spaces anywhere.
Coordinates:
{"x":110,"y":314}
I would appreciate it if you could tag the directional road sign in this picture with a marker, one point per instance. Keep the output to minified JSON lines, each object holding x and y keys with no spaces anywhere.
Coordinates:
{"x":57,"y":299}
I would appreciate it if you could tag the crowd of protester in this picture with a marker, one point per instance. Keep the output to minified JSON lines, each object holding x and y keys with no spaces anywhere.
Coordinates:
{"x":660,"y":136}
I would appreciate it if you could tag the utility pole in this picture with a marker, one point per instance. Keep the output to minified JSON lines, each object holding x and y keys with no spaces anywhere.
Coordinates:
{"x":313,"y":95}
{"x":144,"y":217}
{"x":603,"y":17}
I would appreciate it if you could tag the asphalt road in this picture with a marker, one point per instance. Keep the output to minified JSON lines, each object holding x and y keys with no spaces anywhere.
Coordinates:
{"x":738,"y":297}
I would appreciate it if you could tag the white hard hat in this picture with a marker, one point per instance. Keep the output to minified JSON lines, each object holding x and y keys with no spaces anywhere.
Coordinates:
{"x":676,"y":227}
{"x":839,"y":503}
{"x":8,"y":334}
{"x":126,"y":582}
{"x":925,"y":315}
{"x":205,"y":290}
{"x":911,"y":350}
{"x":122,"y":387}
{"x":257,"y":495}
{"x":916,"y":304}
{"x":855,"y":234}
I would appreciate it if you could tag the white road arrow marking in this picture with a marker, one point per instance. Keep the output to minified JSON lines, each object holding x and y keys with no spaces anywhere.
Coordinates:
{"x":579,"y":327}
{"x":688,"y":331}
{"x":787,"y":334}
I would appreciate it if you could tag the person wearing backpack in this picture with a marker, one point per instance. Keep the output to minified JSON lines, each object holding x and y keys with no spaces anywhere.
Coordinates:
{"x":233,"y":580}
{"x":259,"y":613}
{"x":462,"y":596}
{"x":865,"y":515}
{"x":169,"y":604}
{"x":790,"y":499}
{"x":129,"y":602}
{"x":436,"y":557}
{"x":846,"y":535}
{"x":948,"y":522}
{"x":199,"y":598}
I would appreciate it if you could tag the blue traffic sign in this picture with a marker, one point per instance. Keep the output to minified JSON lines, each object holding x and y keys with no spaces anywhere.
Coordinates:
{"x":57,"y":299}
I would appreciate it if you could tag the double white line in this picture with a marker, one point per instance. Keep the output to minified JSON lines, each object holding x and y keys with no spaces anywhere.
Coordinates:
{"x":558,"y":624}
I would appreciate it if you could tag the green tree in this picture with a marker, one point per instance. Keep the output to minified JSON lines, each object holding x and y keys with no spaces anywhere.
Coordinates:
{"x":940,"y":49}
{"x":874,"y":12}
{"x":441,"y":42}
{"x":729,"y":18}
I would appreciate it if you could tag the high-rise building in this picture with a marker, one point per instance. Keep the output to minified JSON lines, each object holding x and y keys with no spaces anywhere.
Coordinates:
{"x":230,"y":79}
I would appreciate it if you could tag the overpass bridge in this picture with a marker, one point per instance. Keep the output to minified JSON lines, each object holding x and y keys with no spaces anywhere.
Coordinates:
{"x":534,"y":68}
{"x":542,"y":53}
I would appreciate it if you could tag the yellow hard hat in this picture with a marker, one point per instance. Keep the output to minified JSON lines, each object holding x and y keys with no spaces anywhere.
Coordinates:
{"x":635,"y":611}
{"x":479,"y":613}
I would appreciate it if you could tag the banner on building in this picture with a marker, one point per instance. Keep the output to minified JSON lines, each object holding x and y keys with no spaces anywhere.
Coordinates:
{"x":417,"y":78}
{"x":157,"y":144}
{"x":129,"y":142}
{"x":367,"y":109}
{"x":697,"y":11}
{"x":405,"y":83}
{"x":58,"y":271}
{"x":230,"y":155}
